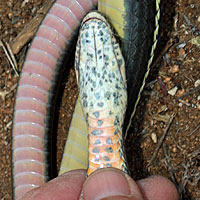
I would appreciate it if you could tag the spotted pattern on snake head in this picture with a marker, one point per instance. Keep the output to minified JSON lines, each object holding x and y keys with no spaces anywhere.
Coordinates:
{"x":100,"y":72}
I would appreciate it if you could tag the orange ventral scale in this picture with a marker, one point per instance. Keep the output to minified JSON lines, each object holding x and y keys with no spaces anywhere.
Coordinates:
{"x":100,"y":72}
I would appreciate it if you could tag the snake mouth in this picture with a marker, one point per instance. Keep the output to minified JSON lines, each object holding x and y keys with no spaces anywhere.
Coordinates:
{"x":95,"y":15}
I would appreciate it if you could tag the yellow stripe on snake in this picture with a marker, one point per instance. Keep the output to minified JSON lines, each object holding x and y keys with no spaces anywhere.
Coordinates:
{"x":76,"y":149}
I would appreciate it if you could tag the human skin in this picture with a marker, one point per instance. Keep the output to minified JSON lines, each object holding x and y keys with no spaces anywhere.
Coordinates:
{"x":104,"y":184}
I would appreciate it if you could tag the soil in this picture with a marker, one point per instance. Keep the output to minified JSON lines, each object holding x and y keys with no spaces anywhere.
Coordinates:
{"x":167,"y":120}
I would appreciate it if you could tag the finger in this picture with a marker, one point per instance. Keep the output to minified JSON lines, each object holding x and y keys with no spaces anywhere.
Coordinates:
{"x":119,"y":198}
{"x":67,"y":186}
{"x":157,"y":188}
{"x":109,"y":182}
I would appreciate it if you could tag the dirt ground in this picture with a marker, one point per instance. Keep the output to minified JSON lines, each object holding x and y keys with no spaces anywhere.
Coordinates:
{"x":165,"y":133}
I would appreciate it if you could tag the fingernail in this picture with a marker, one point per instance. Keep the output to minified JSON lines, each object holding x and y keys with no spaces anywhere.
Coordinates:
{"x":105,"y":183}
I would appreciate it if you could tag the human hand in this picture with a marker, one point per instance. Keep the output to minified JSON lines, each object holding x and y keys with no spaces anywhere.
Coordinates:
{"x":104,"y":184}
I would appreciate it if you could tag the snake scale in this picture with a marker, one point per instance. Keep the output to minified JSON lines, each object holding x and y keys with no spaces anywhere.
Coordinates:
{"x":136,"y":26}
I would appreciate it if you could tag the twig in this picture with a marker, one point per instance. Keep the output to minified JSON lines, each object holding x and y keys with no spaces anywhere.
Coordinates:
{"x":191,"y":173}
{"x":187,"y":20}
{"x":150,"y":84}
{"x":194,"y":130}
{"x":30,"y":29}
{"x":162,"y":86}
{"x":161,"y":140}
{"x":169,"y":44}
{"x":169,"y":164}
{"x":7,"y":125}
{"x":12,"y":62}
{"x":179,"y":187}
{"x":4,"y":93}
{"x":193,"y":91}
{"x":12,"y":55}
{"x":187,"y":104}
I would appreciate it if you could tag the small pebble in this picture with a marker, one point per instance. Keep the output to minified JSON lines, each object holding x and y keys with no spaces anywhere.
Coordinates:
{"x":17,"y":25}
{"x":191,"y":5}
{"x":167,"y":79}
{"x":162,"y":109}
{"x":174,"y":149}
{"x":10,"y":15}
{"x":173,"y":91}
{"x":187,"y":100}
{"x":33,"y":10}
{"x":174,"y":69}
{"x":144,"y":131}
{"x":154,"y":138}
{"x":180,"y":93}
{"x":181,"y":52}
{"x":197,"y":83}
{"x":186,"y":81}
{"x":182,"y":45}
{"x":196,"y":41}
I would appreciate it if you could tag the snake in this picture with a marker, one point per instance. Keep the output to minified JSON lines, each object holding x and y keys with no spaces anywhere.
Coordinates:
{"x":137,"y":33}
{"x":39,"y":80}
{"x":100,"y":71}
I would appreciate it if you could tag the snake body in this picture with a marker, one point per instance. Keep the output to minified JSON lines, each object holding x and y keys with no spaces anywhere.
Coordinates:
{"x":47,"y":56}
{"x":136,"y":24}
{"x":100,"y":71}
